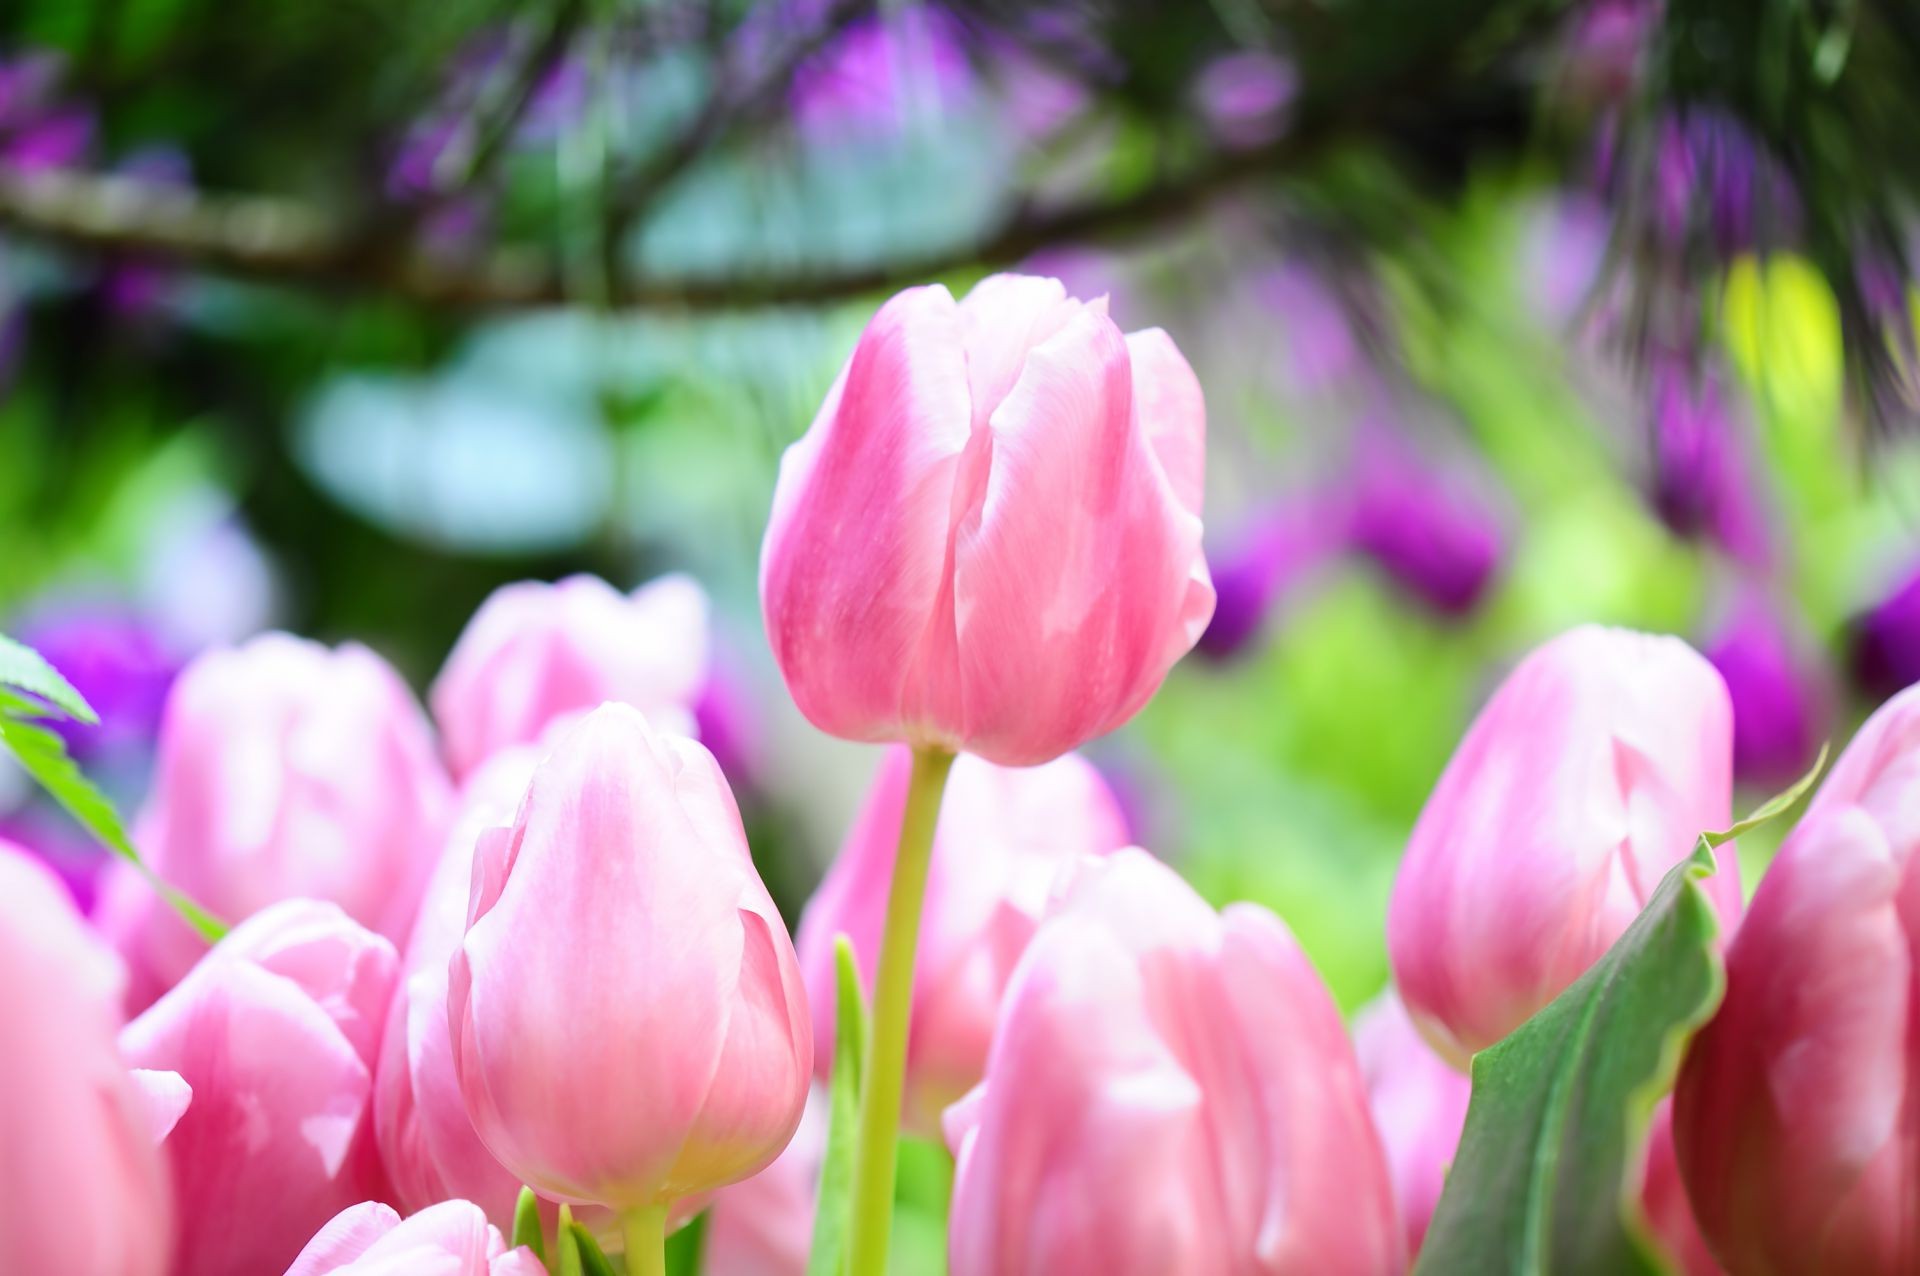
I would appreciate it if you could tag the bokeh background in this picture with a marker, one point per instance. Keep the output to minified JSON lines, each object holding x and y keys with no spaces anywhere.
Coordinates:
{"x":1510,"y":315}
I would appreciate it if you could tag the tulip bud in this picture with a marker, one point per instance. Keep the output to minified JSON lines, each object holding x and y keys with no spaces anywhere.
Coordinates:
{"x":989,"y":539}
{"x":628,"y":1022}
{"x":85,"y":1191}
{"x":426,"y":1140}
{"x":1427,"y":530}
{"x":1419,"y":1105}
{"x":1003,"y":836}
{"x":1592,"y":771}
{"x":1792,"y":1116}
{"x":1884,"y":641}
{"x":537,"y":653}
{"x":452,"y":1238}
{"x":286,"y":770}
{"x":1170,"y":1091}
{"x":1778,"y":702}
{"x":275,"y":1031}
{"x":763,"y":1226}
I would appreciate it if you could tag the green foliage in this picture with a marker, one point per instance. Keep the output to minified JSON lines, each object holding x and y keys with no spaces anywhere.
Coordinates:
{"x":43,"y":755}
{"x":526,"y":1224}
{"x":832,"y":1219}
{"x":567,"y":1259}
{"x":1546,"y":1177}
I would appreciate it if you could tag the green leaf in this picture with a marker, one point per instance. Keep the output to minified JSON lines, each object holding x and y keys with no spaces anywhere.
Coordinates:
{"x":593,"y":1261}
{"x":832,"y":1218}
{"x":566,"y":1247}
{"x":526,"y":1224}
{"x":686,"y":1248}
{"x":43,"y":754}
{"x":1546,"y":1179}
{"x":27,"y":670}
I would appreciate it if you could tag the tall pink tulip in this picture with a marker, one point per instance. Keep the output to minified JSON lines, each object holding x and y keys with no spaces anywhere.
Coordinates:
{"x":1170,"y":1091}
{"x":275,"y":1031}
{"x":1592,"y":771}
{"x":286,"y":770}
{"x":1419,"y":1107}
{"x":1793,"y":1117}
{"x":1003,"y":836}
{"x":629,"y":1027}
{"x":426,"y":1139}
{"x":82,"y":1189}
{"x":989,"y":539}
{"x":536,"y":653}
{"x":452,"y":1238}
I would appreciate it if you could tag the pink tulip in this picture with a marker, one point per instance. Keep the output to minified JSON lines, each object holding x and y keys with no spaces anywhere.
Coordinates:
{"x":426,"y":1139}
{"x":1592,"y":771}
{"x":275,"y":1031}
{"x":449,"y":1239}
{"x":1003,"y":836}
{"x":763,"y":1226}
{"x":1663,"y":1197}
{"x":1793,"y":1117}
{"x":989,"y":539}
{"x":537,"y":653}
{"x":628,"y":1022}
{"x":1419,"y":1106}
{"x":286,"y":770}
{"x":1170,"y":1091}
{"x":82,"y":1189}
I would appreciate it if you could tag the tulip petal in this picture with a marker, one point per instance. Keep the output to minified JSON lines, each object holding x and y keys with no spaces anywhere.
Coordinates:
{"x":344,"y":1238}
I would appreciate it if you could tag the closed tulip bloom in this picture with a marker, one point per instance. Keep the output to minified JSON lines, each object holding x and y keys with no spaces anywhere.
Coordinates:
{"x":628,"y":1023}
{"x":275,"y":1031}
{"x":286,"y":770}
{"x":452,"y":1238}
{"x":85,"y":1190}
{"x":1170,"y":1091}
{"x":1419,"y":1107}
{"x":989,"y":539}
{"x":536,"y":653}
{"x":1592,"y":771}
{"x":1792,"y":1117}
{"x":1004,"y":834}
{"x":426,"y":1139}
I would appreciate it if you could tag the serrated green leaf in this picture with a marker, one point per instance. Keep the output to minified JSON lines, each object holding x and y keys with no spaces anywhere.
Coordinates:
{"x":43,"y":755}
{"x":26,"y":669}
{"x":566,"y":1247}
{"x":526,"y":1224}
{"x":593,"y":1260}
{"x":832,"y":1217}
{"x":1546,"y":1178}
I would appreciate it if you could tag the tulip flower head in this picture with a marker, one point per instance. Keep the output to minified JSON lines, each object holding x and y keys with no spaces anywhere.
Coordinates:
{"x":1792,"y":1116}
{"x":1592,"y":771}
{"x":286,"y":770}
{"x":452,"y":1238}
{"x":535,"y":654}
{"x":275,"y":1031}
{"x":628,"y":1023}
{"x":1170,"y":1091}
{"x":989,"y":538}
{"x":1003,"y":836}
{"x":85,"y":1189}
{"x":1419,"y":1107}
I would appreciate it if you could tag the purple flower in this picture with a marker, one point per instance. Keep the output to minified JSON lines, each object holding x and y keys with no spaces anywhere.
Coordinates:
{"x":1711,"y":176}
{"x":1702,"y":483}
{"x":1244,"y":97}
{"x":1320,"y":348}
{"x":1269,"y":557}
{"x":1606,"y":47}
{"x":1884,"y":642}
{"x":728,"y":717}
{"x":1779,"y":707}
{"x":1430,"y":532}
{"x":1563,"y":250}
{"x":883,"y":76}
{"x":59,"y":139}
{"x":117,"y":661}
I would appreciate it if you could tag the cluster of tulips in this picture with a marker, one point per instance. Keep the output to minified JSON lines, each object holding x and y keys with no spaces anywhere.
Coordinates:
{"x":530,"y":950}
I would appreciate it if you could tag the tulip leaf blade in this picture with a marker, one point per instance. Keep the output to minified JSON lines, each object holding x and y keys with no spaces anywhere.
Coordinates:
{"x":566,"y":1246}
{"x":593,"y":1259}
{"x":24,"y":669}
{"x":832,"y":1219}
{"x":1547,"y":1177}
{"x":526,"y":1224}
{"x":43,"y":755}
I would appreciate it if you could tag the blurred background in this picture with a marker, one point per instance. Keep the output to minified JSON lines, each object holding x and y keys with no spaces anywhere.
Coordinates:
{"x":334,"y":316}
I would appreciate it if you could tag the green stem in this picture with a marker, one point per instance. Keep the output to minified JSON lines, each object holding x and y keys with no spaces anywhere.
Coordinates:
{"x":646,"y":1231}
{"x":884,"y":1078}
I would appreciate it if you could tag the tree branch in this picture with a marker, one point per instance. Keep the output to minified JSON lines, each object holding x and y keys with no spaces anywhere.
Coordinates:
{"x":275,"y":240}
